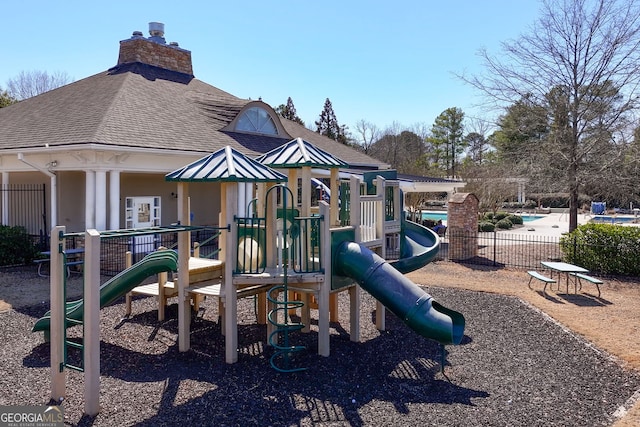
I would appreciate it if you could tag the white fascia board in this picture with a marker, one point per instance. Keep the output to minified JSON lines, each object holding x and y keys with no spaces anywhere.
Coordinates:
{"x":429,"y":187}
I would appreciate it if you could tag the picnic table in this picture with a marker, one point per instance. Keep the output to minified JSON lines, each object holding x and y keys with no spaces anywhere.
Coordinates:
{"x":74,"y":257}
{"x":569,"y":270}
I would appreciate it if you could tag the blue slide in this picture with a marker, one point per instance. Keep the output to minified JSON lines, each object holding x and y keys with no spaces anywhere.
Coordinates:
{"x":387,"y":283}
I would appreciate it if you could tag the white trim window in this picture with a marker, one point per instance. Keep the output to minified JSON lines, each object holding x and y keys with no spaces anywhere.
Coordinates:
{"x":256,"y":120}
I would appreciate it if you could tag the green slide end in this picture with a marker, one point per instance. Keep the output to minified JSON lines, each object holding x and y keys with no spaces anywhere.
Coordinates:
{"x":123,"y":282}
{"x":399,"y":294}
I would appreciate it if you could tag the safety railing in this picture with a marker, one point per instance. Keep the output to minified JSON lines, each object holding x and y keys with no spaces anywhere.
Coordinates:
{"x":368,"y":218}
{"x":306,"y":245}
{"x":251,"y":248}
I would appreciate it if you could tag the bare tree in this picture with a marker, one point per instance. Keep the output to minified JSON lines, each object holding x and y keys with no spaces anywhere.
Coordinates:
{"x":401,"y":148}
{"x":366,"y":135}
{"x":580,"y":49}
{"x":31,"y":83}
{"x":478,"y":145}
{"x":490,"y":183}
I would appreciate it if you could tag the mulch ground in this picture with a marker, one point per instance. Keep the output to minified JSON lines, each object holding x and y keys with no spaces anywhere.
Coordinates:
{"x":516,"y":366}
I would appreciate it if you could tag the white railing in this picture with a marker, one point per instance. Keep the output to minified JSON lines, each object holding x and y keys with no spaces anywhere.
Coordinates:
{"x":369,"y":212}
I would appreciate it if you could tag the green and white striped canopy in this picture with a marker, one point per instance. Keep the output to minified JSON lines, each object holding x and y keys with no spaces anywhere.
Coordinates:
{"x":297,"y":153}
{"x":226,"y":165}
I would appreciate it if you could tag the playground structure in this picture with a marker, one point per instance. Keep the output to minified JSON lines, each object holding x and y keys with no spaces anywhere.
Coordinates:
{"x":280,"y":249}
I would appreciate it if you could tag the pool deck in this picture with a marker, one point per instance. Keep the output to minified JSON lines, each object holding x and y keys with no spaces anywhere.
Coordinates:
{"x":553,"y":224}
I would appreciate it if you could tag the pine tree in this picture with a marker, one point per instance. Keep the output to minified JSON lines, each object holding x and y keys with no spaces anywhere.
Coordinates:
{"x":289,"y":112}
{"x":6,"y":99}
{"x":328,"y":125}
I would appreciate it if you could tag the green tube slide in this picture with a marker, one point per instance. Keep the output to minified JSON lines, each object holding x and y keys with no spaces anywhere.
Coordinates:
{"x":418,"y":247}
{"x":399,"y":294}
{"x":123,"y":282}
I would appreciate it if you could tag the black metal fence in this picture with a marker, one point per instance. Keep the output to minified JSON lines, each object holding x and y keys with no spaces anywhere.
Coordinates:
{"x":500,"y":249}
{"x":25,"y":205}
{"x":114,"y":249}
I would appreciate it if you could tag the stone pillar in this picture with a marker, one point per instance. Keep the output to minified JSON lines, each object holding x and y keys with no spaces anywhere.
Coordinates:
{"x":462,"y":226}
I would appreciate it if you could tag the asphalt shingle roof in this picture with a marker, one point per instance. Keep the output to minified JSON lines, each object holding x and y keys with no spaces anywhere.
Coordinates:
{"x":143,"y":106}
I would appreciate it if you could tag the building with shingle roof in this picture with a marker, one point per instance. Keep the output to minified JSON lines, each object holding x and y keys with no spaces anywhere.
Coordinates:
{"x":100,"y":141}
{"x":101,"y":146}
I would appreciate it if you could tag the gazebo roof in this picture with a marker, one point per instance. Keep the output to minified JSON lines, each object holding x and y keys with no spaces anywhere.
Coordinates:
{"x":226,"y":165}
{"x":297,"y":153}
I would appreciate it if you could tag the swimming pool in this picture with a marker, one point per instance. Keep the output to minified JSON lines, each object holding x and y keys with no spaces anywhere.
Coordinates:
{"x":435,"y":216}
{"x":612,"y":219}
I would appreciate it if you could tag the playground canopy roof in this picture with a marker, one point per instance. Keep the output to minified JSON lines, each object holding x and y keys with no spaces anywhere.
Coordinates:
{"x":226,"y":165}
{"x":297,"y":153}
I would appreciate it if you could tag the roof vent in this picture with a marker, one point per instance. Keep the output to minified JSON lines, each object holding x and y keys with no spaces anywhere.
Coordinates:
{"x":136,"y":34}
{"x":156,"y":29}
{"x":174,"y":44}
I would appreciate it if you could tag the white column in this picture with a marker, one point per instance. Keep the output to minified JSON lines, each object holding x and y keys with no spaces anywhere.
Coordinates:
{"x":101,"y":200}
{"x":54,"y":200}
{"x":114,"y":200}
{"x":5,"y":199}
{"x":90,"y":200}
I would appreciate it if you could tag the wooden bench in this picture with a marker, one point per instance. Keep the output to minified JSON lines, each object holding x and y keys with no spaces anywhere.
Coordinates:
{"x":580,"y":277}
{"x":542,"y":278}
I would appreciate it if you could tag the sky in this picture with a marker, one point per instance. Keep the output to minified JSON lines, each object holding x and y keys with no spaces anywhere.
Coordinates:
{"x":385,"y":62}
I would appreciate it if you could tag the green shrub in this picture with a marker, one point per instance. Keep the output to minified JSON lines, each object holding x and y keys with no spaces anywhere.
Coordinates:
{"x":605,"y":248}
{"x":486,"y":226}
{"x":515,"y":219}
{"x":488,"y":216}
{"x":501,"y":220}
{"x":504,"y":224}
{"x":500,"y":216}
{"x":16,"y":247}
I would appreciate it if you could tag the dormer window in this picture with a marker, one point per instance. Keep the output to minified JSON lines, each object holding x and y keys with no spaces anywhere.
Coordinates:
{"x":256,"y":120}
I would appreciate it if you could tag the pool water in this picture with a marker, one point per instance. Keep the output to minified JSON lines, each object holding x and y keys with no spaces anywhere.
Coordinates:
{"x":443,"y":216}
{"x":436,"y":216}
{"x":612,"y":219}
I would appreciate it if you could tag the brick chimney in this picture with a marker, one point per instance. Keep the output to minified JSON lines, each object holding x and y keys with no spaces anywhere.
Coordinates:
{"x":155,"y":51}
